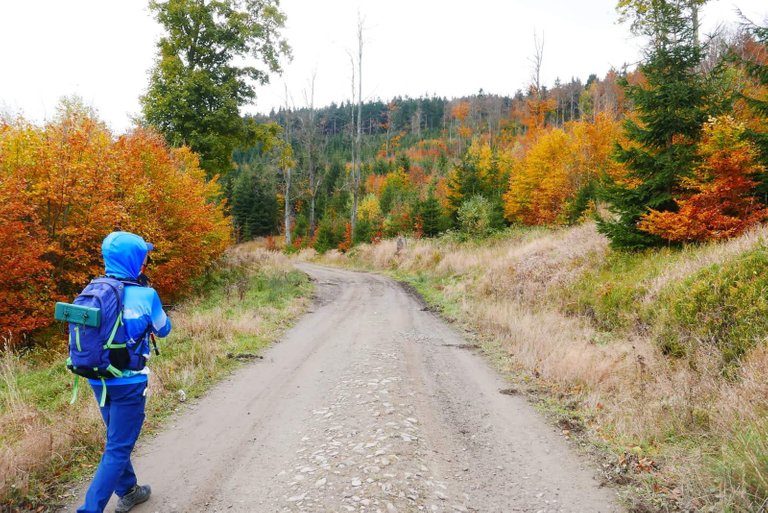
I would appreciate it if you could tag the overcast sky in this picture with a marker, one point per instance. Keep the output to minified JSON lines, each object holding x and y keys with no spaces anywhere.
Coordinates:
{"x":102,"y":50}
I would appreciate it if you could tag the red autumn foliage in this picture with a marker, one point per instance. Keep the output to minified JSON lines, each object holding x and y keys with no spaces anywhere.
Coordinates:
{"x":27,"y":284}
{"x":346,"y":244}
{"x":720,"y":203}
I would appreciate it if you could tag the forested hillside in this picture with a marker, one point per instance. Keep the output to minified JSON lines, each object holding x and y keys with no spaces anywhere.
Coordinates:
{"x":670,"y":151}
{"x":421,"y":158}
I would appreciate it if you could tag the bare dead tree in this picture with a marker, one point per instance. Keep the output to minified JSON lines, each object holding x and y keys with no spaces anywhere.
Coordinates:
{"x":358,"y":138}
{"x":286,"y":163}
{"x":311,"y":144}
{"x":536,"y":60}
{"x":353,"y":146}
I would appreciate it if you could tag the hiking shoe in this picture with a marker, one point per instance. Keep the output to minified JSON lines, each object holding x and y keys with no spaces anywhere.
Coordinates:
{"x":137,"y":495}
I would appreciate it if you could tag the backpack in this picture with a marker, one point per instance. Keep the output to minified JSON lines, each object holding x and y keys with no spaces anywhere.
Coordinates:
{"x":98,"y":344}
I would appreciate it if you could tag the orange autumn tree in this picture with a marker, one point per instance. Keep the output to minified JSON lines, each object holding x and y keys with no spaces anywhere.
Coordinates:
{"x":537,"y":106}
{"x":27,"y":284}
{"x":72,"y":177}
{"x":65,"y":186}
{"x":169,"y":202}
{"x":460,"y":112}
{"x":720,"y":203}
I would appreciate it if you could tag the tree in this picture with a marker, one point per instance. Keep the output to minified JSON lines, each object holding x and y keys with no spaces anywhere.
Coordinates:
{"x":196,"y":87}
{"x":553,"y":182}
{"x":721,"y":204}
{"x":396,"y":191}
{"x":357,"y":152}
{"x":283,"y":152}
{"x":669,"y":97}
{"x":431,"y":216}
{"x":482,"y":171}
{"x":65,"y":186}
{"x":537,"y":105}
{"x":645,"y":15}
{"x":755,"y":61}
{"x":27,"y":284}
{"x":254,"y":204}
{"x":538,"y":189}
{"x":369,"y":219}
{"x":475,"y":216}
{"x":312,"y":146}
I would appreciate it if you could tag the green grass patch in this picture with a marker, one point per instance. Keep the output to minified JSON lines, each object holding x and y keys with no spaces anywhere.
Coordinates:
{"x":724,"y":305}
{"x":431,"y":289}
{"x":609,"y":293}
{"x":742,"y":468}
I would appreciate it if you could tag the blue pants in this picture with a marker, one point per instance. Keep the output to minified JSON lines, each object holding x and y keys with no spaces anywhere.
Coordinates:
{"x":123,"y":414}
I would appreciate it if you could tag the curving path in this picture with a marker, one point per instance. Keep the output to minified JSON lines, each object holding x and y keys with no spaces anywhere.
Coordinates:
{"x":369,"y":404}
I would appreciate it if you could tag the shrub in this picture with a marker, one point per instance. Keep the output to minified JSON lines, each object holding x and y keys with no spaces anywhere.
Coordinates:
{"x":330,"y":232}
{"x":475,"y":216}
{"x":723,"y":304}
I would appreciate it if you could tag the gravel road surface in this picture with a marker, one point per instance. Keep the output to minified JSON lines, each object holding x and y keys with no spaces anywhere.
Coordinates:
{"x":369,"y":404}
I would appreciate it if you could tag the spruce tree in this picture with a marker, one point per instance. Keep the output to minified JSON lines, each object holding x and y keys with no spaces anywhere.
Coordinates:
{"x":431,"y":216}
{"x":465,"y":180}
{"x":243,"y":198}
{"x":254,"y":206}
{"x":669,"y":103}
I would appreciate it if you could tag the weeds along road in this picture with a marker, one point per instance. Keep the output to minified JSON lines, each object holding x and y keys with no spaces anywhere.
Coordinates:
{"x":369,"y":404}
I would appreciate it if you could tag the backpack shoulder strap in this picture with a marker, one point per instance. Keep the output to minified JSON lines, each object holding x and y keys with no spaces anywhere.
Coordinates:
{"x":116,"y":285}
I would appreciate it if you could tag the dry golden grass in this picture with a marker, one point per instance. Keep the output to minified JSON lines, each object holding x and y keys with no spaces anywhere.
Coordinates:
{"x":32,"y":436}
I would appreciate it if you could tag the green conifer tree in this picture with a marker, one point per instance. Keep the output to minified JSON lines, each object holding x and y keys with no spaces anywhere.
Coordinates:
{"x":670,"y":107}
{"x":254,"y":206}
{"x":432,"y":220}
{"x":243,"y":198}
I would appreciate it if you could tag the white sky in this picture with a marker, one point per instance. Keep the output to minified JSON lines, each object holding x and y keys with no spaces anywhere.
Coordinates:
{"x":102,"y":50}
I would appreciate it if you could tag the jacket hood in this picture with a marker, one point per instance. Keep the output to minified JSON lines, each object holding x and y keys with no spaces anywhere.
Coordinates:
{"x":124,"y":254}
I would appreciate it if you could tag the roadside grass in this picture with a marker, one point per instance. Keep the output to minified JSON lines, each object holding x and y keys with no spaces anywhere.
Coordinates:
{"x":46,"y":444}
{"x":656,"y":359}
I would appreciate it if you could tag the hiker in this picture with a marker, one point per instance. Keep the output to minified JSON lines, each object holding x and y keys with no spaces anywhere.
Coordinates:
{"x":122,"y":399}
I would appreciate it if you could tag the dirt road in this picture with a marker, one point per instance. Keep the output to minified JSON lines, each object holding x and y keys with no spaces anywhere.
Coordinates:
{"x":369,"y":404}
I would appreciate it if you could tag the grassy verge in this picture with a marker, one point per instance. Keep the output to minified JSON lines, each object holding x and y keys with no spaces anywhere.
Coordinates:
{"x":657,"y":360}
{"x":46,"y":444}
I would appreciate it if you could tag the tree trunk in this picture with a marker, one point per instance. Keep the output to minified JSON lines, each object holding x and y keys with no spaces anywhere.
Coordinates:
{"x":358,"y":139}
{"x":310,"y":130}
{"x":287,"y":215}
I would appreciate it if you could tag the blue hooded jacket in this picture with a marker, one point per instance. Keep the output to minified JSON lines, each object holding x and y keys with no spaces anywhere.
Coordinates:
{"x":124,"y":255}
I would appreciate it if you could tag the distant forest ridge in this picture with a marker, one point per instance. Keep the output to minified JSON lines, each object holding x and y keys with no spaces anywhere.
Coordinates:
{"x":430,"y":113}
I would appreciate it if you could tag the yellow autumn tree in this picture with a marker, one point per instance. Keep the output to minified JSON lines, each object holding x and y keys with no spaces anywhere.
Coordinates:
{"x":560,"y":165}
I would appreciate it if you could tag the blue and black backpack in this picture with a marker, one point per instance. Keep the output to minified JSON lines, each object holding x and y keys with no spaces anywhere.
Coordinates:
{"x":99,"y":347}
